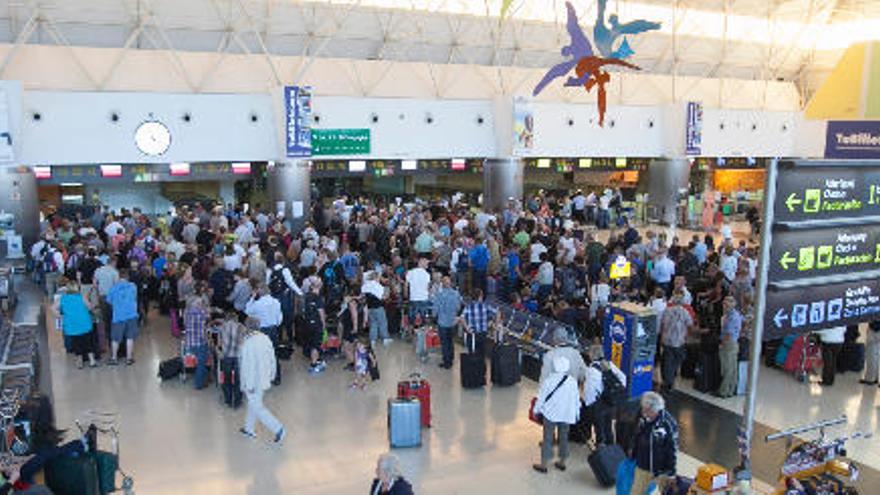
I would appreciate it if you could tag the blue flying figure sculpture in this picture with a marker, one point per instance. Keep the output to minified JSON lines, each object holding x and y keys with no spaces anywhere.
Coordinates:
{"x":605,"y":36}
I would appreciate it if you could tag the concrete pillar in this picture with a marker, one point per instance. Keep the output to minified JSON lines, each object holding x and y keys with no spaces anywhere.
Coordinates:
{"x":666,"y":176}
{"x":502,"y":180}
{"x":18,"y":196}
{"x":289,"y":190}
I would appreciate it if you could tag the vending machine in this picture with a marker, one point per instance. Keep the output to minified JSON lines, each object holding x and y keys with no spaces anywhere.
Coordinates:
{"x":630,"y":341}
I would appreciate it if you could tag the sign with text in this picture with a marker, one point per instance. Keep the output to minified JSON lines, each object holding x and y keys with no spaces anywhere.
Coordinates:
{"x":853,"y":139}
{"x":822,"y":306}
{"x":298,"y":120}
{"x":327,"y":142}
{"x":797,"y":254}
{"x":694,"y":129}
{"x":835,"y":191}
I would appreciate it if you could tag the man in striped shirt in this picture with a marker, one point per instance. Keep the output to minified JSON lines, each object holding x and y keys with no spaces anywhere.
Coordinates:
{"x":476,"y":317}
{"x":195,"y":320}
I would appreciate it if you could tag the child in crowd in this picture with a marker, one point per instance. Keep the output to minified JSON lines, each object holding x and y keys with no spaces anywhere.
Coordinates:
{"x":362,"y":355}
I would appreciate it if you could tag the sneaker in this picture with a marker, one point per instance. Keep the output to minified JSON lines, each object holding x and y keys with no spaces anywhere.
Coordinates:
{"x":129,"y":362}
{"x":540,"y":468}
{"x":280,"y":435}
{"x":321,"y":366}
{"x":112,"y":362}
{"x":248,"y":434}
{"x":387,"y":342}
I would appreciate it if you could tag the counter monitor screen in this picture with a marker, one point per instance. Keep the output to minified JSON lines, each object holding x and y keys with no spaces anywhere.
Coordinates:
{"x":357,"y":166}
{"x":543,"y":163}
{"x":458,"y":164}
{"x":408,"y":165}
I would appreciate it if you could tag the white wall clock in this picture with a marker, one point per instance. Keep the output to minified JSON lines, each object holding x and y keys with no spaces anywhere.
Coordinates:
{"x":152,"y":138}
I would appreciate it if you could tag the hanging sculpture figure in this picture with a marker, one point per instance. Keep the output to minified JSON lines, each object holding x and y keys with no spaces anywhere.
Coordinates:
{"x":605,"y":36}
{"x":578,"y":48}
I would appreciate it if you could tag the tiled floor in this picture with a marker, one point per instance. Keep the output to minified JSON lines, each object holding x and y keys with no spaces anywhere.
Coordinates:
{"x":177,"y":440}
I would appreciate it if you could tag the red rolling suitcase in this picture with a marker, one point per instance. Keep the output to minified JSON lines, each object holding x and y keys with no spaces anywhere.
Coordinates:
{"x":418,"y":388}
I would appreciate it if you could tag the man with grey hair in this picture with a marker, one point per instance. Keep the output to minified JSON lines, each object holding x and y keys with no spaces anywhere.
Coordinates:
{"x":655,"y":445}
{"x":565,"y":346}
{"x":389,"y":479}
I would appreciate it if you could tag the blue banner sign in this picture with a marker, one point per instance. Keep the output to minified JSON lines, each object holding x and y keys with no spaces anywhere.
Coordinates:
{"x":853,"y":139}
{"x":298,"y":113}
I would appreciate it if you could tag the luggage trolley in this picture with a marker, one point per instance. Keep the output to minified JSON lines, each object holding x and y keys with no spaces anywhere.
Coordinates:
{"x":106,"y":424}
{"x":819,"y":464}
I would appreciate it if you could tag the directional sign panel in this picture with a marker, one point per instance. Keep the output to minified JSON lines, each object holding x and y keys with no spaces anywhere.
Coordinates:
{"x":826,"y":192}
{"x":819,"y":307}
{"x":798,"y":254}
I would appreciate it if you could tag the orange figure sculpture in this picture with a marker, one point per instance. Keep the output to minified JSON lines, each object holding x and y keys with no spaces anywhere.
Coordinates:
{"x":589,"y":73}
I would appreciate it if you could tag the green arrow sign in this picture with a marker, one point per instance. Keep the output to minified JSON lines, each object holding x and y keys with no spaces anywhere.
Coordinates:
{"x":792,"y":201}
{"x":786,"y":259}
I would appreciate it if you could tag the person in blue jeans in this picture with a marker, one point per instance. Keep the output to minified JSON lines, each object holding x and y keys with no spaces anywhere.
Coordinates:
{"x":447,"y":306}
{"x":195,"y":321}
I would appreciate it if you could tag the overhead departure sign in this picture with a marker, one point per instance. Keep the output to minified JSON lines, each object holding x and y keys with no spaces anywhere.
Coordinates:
{"x":834,"y":190}
{"x":823,"y":262}
{"x":796,"y":254}
{"x":821,"y":306}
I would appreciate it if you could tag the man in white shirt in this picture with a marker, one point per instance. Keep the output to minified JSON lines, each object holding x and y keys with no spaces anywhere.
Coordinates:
{"x":567,"y":245}
{"x":832,"y":340}
{"x":418,"y":281}
{"x":190,"y":232}
{"x":112,"y":228}
{"x":535,"y":252}
{"x":604,"y":216}
{"x":282,"y":287}
{"x":664,"y":270}
{"x":600,"y":407}
{"x":267,"y":311}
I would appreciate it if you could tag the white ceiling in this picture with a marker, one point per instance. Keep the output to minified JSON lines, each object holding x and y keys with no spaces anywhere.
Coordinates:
{"x":760,"y":40}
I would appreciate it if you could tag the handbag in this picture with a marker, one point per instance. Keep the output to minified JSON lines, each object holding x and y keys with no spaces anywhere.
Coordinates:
{"x":537,"y":417}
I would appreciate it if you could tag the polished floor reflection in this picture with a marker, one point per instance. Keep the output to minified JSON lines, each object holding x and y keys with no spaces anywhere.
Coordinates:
{"x":178,"y":440}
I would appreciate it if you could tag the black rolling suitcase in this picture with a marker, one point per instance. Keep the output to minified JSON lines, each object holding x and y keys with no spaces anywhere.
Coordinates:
{"x":852,"y":357}
{"x":505,"y":365}
{"x":582,"y":431}
{"x":604,"y":463}
{"x":473,"y":366}
{"x":708,"y":372}
{"x":689,"y":365}
{"x":531,"y":366}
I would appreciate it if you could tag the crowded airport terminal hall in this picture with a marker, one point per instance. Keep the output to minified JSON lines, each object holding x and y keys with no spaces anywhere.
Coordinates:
{"x":439,"y":247}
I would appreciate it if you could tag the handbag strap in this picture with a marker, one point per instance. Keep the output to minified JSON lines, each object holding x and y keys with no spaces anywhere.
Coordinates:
{"x":550,"y":396}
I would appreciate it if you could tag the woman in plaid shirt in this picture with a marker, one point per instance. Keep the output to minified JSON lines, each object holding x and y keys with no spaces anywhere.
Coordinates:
{"x":195,"y":321}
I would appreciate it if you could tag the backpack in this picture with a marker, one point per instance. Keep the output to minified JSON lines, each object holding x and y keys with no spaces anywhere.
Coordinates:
{"x":329,"y":274}
{"x":464,"y":262}
{"x":277,"y":284}
{"x":49,"y":265}
{"x":613,"y":392}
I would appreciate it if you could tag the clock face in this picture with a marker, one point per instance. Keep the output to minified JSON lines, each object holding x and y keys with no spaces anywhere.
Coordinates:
{"x":152,"y":138}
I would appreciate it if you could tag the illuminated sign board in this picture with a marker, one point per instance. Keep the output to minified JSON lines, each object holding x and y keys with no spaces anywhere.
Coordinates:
{"x":834,"y":191}
{"x":43,"y":172}
{"x":179,"y":169}
{"x":110,"y":171}
{"x":798,"y":254}
{"x":242,"y":168}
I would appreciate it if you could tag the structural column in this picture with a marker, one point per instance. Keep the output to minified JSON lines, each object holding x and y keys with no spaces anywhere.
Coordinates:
{"x":502,"y":180}
{"x":666,"y":178}
{"x":288,"y":184}
{"x":18,"y":197}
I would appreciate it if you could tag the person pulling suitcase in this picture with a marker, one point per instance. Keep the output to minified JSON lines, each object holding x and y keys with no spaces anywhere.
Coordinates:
{"x":558,"y":404}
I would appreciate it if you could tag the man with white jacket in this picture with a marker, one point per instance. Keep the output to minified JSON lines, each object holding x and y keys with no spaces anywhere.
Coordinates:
{"x":257,"y":367}
{"x":559,"y":403}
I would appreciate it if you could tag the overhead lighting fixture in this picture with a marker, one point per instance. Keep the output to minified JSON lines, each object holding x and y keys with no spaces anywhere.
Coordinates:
{"x":179,"y":169}
{"x":71,"y":184}
{"x":111,"y":171}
